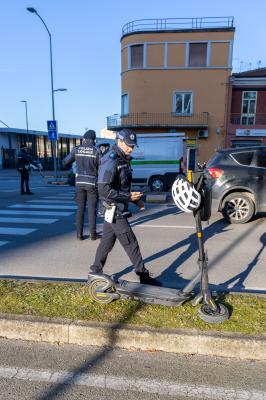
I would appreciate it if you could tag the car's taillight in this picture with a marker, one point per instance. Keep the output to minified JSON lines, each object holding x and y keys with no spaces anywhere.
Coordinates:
{"x":215,"y":173}
{"x":181,"y":168}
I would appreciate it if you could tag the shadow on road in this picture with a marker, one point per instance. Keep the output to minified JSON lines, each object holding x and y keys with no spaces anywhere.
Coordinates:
{"x":190,"y":245}
{"x":88,"y":366}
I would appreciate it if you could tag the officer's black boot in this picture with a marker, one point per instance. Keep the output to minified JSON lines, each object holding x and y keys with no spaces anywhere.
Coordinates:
{"x":95,"y":236}
{"x":80,"y":236}
{"x":146,"y":279}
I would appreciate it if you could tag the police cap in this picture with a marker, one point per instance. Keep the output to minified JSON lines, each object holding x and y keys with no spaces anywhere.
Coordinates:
{"x":129,"y":137}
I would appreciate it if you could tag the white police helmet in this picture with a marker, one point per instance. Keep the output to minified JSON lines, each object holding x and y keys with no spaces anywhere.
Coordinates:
{"x":185,"y":195}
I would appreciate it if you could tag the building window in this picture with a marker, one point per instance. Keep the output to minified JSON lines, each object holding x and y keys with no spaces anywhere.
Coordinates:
{"x":197,"y":54}
{"x":124,"y":104}
{"x":248,"y":111}
{"x":182,"y":103}
{"x":136,"y":56}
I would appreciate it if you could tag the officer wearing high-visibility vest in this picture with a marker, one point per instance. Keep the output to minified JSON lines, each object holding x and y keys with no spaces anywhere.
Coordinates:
{"x":114,"y":186}
{"x":87,"y":158}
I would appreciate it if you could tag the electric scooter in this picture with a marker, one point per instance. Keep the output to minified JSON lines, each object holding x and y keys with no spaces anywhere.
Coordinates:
{"x":105,"y":289}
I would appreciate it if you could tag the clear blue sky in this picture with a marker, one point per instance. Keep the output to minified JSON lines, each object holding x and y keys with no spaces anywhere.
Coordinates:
{"x":86,"y":50}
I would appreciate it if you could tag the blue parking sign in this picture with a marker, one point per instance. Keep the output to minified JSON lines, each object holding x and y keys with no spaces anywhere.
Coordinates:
{"x":52,"y":130}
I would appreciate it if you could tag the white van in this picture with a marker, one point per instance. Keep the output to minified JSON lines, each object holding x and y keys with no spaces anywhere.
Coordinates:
{"x":158,"y":159}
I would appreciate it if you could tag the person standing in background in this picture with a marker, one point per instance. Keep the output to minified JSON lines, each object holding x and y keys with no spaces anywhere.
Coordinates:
{"x":87,"y":158}
{"x":24,"y":162}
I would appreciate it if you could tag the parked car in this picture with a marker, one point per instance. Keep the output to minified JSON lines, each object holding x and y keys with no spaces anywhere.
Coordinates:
{"x":238,"y":180}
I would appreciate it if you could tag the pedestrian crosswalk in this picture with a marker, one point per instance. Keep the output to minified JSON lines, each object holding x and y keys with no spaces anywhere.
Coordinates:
{"x":29,"y":220}
{"x":43,"y":205}
{"x":21,"y":219}
{"x":15,"y":231}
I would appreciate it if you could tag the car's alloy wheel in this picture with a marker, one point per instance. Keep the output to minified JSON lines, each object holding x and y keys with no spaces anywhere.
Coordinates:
{"x":157,"y":184}
{"x":238,"y":208}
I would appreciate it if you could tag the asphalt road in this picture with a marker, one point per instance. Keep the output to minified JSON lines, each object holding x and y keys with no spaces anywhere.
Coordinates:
{"x":39,"y":371}
{"x":38,"y":239}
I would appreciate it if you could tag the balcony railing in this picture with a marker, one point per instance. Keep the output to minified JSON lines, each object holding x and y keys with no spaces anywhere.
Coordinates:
{"x":165,"y":24}
{"x":157,"y":120}
{"x":248,"y":119}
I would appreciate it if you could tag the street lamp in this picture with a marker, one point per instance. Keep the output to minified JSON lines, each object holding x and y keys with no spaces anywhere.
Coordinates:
{"x":27,"y":124}
{"x":60,"y":90}
{"x":33,"y":11}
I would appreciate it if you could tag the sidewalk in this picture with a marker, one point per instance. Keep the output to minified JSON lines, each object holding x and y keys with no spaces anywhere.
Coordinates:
{"x":12,"y":172}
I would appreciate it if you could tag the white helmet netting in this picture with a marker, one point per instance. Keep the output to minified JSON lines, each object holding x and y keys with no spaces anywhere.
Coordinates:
{"x":185,"y":195}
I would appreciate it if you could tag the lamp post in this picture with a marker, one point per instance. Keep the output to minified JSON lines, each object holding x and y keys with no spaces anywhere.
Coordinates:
{"x":32,"y":10}
{"x":59,"y":90}
{"x":27,"y":123}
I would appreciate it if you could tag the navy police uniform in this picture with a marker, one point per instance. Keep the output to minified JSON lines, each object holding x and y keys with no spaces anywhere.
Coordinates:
{"x":87,"y":158}
{"x":114,"y":185}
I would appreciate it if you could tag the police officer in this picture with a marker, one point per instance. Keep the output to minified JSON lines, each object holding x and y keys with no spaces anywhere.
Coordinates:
{"x":87,"y":158}
{"x":24,"y":161}
{"x":114,"y":185}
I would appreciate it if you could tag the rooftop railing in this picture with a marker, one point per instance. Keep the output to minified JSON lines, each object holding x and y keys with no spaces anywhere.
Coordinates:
{"x":166,"y":24}
{"x":157,"y":120}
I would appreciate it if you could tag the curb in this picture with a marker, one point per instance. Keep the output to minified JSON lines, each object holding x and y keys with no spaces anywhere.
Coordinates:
{"x":54,"y":330}
{"x":57,"y":183}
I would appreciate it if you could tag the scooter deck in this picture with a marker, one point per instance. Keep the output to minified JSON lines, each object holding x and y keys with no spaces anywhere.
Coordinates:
{"x":151,"y":294}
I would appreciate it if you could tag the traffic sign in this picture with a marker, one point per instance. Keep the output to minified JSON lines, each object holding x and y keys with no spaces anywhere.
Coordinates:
{"x":52,"y":130}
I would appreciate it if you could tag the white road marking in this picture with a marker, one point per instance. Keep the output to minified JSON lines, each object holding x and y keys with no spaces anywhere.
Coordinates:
{"x":59,"y":198}
{"x":52,"y":201}
{"x":39,"y":213}
{"x":120,"y":383}
{"x":165,"y":226}
{"x":48,"y":206}
{"x":28,"y":220}
{"x":15,"y":231}
{"x":2,"y":243}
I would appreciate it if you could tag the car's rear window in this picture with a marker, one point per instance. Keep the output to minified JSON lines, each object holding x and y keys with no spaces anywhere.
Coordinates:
{"x":244,"y":158}
{"x":216,"y":158}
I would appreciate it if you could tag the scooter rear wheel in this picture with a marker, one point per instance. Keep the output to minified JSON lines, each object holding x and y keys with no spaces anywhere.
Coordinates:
{"x":213,"y":317}
{"x":98,"y":285}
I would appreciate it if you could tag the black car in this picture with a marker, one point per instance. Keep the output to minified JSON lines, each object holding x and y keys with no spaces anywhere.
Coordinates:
{"x":238,"y":180}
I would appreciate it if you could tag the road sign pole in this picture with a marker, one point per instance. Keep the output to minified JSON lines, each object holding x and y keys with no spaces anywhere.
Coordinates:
{"x":52,"y":136}
{"x":55,"y":163}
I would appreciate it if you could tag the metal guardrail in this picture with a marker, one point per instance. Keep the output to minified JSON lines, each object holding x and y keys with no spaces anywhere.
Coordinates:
{"x":169,"y":120}
{"x":242,"y":119}
{"x":164,"y":24}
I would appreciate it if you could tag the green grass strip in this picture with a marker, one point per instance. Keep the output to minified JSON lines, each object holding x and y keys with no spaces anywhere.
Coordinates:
{"x":248,"y":314}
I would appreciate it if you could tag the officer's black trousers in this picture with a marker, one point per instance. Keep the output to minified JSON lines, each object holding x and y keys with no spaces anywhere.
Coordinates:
{"x":83,"y":196}
{"x":121,"y":230}
{"x":24,"y":179}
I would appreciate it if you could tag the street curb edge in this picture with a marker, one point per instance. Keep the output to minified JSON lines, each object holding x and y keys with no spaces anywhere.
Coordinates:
{"x":53,"y":330}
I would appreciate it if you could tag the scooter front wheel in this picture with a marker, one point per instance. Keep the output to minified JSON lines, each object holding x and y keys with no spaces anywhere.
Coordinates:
{"x":98,"y":291}
{"x":213,"y":317}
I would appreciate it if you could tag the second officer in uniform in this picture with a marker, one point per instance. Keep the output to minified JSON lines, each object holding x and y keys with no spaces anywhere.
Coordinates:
{"x":87,"y":158}
{"x":114,"y":185}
